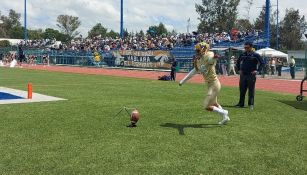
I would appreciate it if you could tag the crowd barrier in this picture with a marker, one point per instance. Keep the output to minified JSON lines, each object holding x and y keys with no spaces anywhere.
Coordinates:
{"x":153,"y":59}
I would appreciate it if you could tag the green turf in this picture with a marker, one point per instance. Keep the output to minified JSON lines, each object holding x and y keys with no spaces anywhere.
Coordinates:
{"x":174,"y":136}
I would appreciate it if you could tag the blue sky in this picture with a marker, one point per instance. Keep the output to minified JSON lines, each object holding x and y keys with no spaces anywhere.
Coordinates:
{"x":139,"y":14}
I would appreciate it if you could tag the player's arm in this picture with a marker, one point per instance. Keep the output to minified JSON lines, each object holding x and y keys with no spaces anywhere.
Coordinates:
{"x":187,"y":77}
{"x":238,"y":63}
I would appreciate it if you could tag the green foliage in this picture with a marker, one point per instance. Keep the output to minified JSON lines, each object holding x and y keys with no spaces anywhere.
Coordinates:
{"x":35,"y":34}
{"x":98,"y":29}
{"x":141,"y":33}
{"x":113,"y":34}
{"x":213,"y":15}
{"x":11,"y":27}
{"x":52,"y":33}
{"x":174,"y":136}
{"x":16,"y":32}
{"x":260,"y":20}
{"x":5,"y":43}
{"x":243,"y":25}
{"x":290,"y":30}
{"x":126,"y":33}
{"x":158,"y":30}
{"x":68,"y":25}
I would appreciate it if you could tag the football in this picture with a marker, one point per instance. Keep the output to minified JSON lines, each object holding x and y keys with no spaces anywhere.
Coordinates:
{"x":135,"y":116}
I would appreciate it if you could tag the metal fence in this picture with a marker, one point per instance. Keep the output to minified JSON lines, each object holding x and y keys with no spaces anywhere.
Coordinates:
{"x":183,"y":56}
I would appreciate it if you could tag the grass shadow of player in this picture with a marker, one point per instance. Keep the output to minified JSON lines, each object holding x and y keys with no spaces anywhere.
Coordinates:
{"x":181,"y":127}
{"x":295,"y":104}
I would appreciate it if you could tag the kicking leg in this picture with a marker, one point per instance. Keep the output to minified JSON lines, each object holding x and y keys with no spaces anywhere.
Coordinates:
{"x":211,"y":103}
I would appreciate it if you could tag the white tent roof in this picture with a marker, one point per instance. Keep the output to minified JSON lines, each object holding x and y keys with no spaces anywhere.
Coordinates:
{"x":268,"y":52}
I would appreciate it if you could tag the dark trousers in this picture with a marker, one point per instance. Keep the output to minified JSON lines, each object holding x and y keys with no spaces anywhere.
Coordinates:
{"x":279,"y":70}
{"x":173,"y":75}
{"x":247,"y":82}
{"x":292,"y":72}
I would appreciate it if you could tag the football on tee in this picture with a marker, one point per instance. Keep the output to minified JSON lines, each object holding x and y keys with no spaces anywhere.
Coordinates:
{"x":135,"y":116}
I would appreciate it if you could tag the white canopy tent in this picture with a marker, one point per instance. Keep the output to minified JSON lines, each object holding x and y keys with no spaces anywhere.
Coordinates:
{"x":268,"y":52}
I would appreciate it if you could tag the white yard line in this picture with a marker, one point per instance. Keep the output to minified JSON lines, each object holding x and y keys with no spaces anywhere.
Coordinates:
{"x":24,"y":94}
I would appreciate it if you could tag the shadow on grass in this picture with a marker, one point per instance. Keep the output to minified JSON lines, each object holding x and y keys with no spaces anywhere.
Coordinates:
{"x":229,"y":106}
{"x":297,"y":105}
{"x":180,"y":127}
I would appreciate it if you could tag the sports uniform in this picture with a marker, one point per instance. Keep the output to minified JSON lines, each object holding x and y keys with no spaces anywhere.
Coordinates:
{"x":205,"y":63}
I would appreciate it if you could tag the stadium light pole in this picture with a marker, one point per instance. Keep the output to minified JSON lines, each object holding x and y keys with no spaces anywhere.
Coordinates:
{"x":267,"y":23}
{"x":122,"y":18}
{"x":25,"y":23}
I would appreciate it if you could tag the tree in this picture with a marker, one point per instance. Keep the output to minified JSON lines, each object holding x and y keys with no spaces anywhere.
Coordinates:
{"x":11,"y":26}
{"x":259,"y":24}
{"x":243,"y":25}
{"x":213,"y":15}
{"x":126,"y":33}
{"x":69,"y":25}
{"x":35,"y":34}
{"x":142,"y":34}
{"x":5,"y":43}
{"x":290,"y":30}
{"x":260,"y":20}
{"x":161,"y":30}
{"x":52,"y":33}
{"x":98,"y":29}
{"x":16,"y":32}
{"x":158,"y":30}
{"x":173,"y":33}
{"x":2,"y":31}
{"x":113,"y":34}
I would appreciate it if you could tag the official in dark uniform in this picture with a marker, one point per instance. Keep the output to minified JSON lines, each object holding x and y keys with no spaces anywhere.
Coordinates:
{"x":173,"y":69}
{"x":249,"y":64}
{"x":21,"y":56}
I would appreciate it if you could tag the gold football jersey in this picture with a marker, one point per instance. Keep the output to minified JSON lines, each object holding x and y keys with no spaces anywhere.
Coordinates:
{"x":206,"y":66}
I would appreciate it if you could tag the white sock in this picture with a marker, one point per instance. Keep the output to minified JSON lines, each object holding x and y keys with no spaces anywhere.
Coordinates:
{"x":219,"y":110}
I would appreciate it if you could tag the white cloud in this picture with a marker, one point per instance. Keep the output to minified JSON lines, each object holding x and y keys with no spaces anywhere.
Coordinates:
{"x":139,"y":14}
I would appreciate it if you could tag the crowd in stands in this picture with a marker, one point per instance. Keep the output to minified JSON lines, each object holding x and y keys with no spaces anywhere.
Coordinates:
{"x":8,"y":58}
{"x":154,"y":43}
{"x":39,"y":43}
{"x":137,"y":42}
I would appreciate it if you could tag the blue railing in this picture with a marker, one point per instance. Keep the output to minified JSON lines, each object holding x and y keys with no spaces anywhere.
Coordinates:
{"x":182,"y":54}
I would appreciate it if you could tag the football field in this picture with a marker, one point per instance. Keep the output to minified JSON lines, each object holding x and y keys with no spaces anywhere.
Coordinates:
{"x":82,"y":135}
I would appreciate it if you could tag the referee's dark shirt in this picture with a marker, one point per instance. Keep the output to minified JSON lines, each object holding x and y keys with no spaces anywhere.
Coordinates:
{"x":249,"y":61}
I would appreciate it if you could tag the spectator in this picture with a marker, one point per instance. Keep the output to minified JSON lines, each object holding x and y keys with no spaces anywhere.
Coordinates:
{"x":46,"y":59}
{"x":232,"y":66}
{"x":224,"y":66}
{"x":266,"y":67}
{"x":292,"y":67}
{"x":273,"y":66}
{"x":279,"y":64}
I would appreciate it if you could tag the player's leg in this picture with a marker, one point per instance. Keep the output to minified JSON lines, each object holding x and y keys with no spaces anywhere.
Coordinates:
{"x":215,"y":93}
{"x":211,"y":101}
